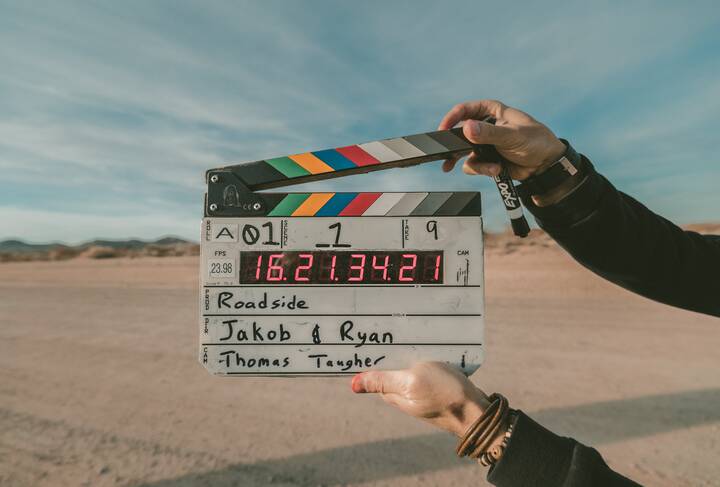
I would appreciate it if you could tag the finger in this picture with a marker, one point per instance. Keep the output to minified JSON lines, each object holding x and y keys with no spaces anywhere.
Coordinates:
{"x":374,"y":381}
{"x":471,"y":110}
{"x":449,"y":164}
{"x":486,"y":133}
{"x":473,"y":166}
{"x":478,"y":170}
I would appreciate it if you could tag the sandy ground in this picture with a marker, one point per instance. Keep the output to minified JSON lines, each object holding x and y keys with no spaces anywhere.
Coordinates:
{"x":99,"y":385}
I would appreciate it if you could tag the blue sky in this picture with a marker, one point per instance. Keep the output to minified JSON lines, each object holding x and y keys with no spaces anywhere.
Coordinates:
{"x":110,"y":112}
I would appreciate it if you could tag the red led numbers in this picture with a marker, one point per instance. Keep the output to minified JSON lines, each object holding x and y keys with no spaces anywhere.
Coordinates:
{"x":342,"y":267}
{"x":259,"y":267}
{"x":304,"y":268}
{"x":382,"y":267}
{"x":432,"y":267}
{"x":326,"y":273}
{"x":359,"y":266}
{"x":274,"y":271}
{"x":407,"y":272}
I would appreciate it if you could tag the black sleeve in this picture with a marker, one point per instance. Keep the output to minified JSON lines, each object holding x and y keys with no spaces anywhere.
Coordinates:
{"x":537,"y":457}
{"x":619,"y":239}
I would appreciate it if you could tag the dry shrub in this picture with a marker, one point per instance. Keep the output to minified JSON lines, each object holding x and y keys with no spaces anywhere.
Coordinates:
{"x":63,"y":253}
{"x":98,"y":252}
{"x":159,"y":251}
{"x":174,"y":250}
{"x":22,"y":256}
{"x":102,"y":252}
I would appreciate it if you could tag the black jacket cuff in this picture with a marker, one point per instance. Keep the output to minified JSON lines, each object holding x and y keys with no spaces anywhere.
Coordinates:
{"x":534,"y":456}
{"x":575,"y":207}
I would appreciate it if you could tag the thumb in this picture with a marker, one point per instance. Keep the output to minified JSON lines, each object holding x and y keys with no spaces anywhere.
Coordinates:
{"x":485,"y":133}
{"x":374,"y":381}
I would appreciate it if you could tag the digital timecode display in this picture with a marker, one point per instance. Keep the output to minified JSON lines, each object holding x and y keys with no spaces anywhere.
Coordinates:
{"x":342,"y":267}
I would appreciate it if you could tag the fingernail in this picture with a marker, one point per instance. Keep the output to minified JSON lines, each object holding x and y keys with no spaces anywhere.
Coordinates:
{"x":356,"y":384}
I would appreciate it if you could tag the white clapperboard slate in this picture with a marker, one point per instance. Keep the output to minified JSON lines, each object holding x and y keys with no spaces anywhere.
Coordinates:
{"x":326,"y":284}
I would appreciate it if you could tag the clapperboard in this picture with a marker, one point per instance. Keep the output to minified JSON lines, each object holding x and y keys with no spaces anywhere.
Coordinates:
{"x":324,"y":284}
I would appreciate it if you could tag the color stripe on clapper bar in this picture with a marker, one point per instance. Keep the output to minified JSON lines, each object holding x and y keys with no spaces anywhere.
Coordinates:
{"x":377,"y":204}
{"x":432,"y":144}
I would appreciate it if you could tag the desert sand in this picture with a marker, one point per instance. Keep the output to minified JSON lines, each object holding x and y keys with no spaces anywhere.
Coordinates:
{"x":99,"y":384}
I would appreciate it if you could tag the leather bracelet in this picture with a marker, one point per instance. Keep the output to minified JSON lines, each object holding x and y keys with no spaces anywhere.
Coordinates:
{"x":479,"y":429}
{"x":476,"y":441}
{"x":569,"y":164}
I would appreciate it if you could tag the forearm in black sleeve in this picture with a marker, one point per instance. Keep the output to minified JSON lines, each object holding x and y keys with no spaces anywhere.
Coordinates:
{"x":618,"y":238}
{"x":535,"y":456}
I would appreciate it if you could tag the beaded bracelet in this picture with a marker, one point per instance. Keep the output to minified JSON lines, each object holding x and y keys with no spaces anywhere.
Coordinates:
{"x":492,"y":456}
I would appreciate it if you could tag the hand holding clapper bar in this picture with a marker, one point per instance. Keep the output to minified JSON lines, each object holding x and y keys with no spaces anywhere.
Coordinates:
{"x":235,"y":192}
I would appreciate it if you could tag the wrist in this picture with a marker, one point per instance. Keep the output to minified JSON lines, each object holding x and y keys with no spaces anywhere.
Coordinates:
{"x":555,"y":152}
{"x":558,"y":193}
{"x":557,"y":179}
{"x":477,"y":442}
{"x":468,"y":413}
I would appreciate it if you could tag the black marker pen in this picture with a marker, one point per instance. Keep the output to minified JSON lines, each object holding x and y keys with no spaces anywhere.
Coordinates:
{"x":505,"y":185}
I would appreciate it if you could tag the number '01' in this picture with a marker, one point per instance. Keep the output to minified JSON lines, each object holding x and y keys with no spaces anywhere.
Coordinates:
{"x":251,"y":234}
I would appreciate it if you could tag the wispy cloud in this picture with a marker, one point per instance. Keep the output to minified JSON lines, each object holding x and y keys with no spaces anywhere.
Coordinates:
{"x":118,"y":108}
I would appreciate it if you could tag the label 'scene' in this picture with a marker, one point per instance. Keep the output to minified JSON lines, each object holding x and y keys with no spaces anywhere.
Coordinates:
{"x":269,"y":327}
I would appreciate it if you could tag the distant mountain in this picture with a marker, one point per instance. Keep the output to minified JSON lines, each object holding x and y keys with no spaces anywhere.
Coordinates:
{"x":15,"y":245}
{"x":171,"y":241}
{"x":22,"y":246}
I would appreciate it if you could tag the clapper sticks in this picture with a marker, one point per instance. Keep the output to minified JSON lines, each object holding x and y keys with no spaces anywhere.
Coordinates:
{"x":238,"y":195}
